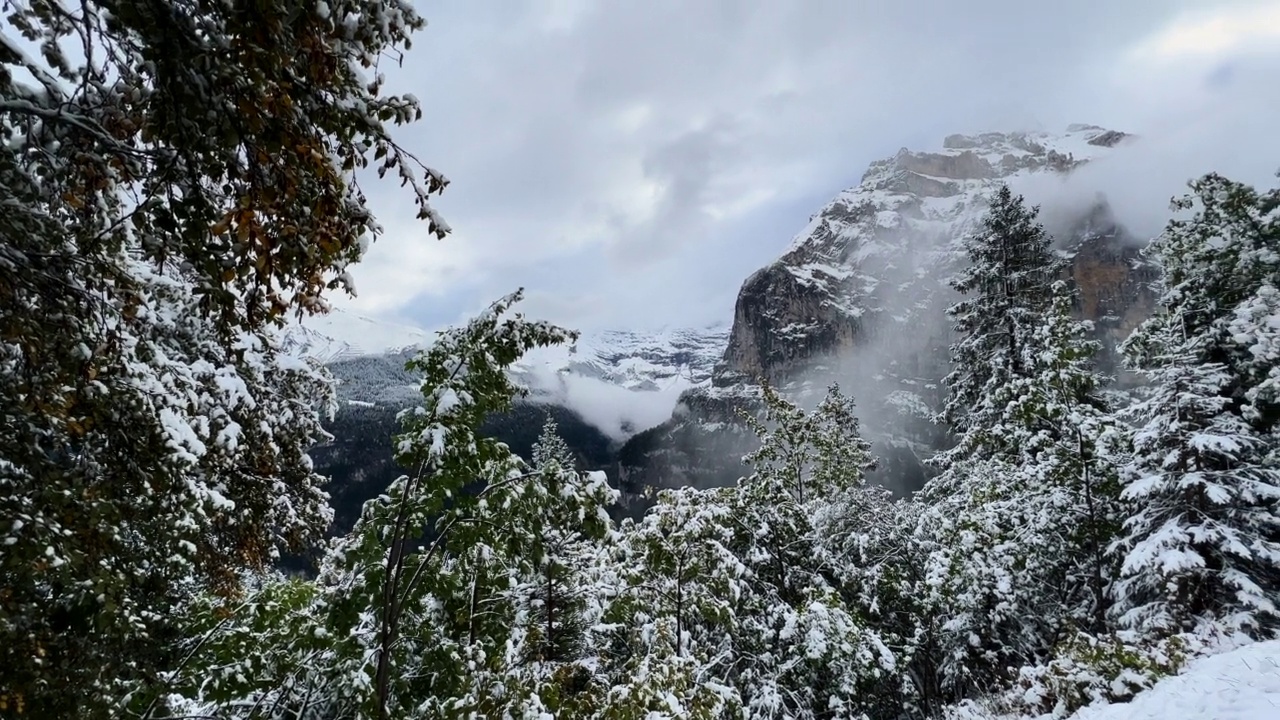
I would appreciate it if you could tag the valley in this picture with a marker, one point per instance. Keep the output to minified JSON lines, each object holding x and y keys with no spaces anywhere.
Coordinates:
{"x":856,"y":298}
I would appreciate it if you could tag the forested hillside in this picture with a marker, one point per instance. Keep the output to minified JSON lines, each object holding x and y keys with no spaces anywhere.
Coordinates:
{"x":360,"y":460}
{"x":181,"y":179}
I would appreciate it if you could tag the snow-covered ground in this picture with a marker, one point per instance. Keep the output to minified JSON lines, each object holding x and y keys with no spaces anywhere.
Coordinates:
{"x":1243,"y":684}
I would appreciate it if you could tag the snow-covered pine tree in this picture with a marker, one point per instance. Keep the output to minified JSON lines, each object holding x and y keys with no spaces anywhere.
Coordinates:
{"x":564,"y":532}
{"x":668,"y":631}
{"x":177,"y":177}
{"x":1072,"y":457}
{"x":1202,"y":540}
{"x":1019,"y":541}
{"x":1022,"y":514}
{"x":882,"y":559}
{"x":799,"y":650}
{"x":809,"y":455}
{"x":424,"y":607}
{"x":422,"y":585}
{"x":1007,"y":289}
{"x":568,"y":518}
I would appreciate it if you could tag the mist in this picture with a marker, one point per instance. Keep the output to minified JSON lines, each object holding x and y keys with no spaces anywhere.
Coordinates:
{"x":1231,"y":131}
{"x":616,"y":411}
{"x":895,"y":366}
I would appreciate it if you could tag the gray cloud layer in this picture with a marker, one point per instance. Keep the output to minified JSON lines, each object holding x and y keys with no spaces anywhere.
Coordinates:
{"x":631,"y":162}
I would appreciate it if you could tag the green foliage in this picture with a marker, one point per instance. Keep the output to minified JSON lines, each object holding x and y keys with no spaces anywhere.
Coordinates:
{"x":1085,"y":669}
{"x":733,"y":589}
{"x":253,"y":653}
{"x":813,"y":455}
{"x":360,"y":459}
{"x":465,"y":588}
{"x":1020,"y":520}
{"x":565,"y":521}
{"x":178,"y":178}
{"x":1007,"y":288}
{"x":442,"y":606}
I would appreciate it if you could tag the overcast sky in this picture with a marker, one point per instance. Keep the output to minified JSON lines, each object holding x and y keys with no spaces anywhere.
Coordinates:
{"x":631,"y":162}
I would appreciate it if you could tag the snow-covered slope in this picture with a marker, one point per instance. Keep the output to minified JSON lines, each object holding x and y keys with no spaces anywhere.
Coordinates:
{"x":624,"y":382}
{"x":1243,"y":684}
{"x":342,"y":335}
{"x":620,"y":381}
{"x":665,"y":360}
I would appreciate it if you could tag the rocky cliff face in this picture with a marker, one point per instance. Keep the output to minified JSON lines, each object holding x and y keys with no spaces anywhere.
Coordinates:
{"x":875,"y":259}
{"x":859,"y":297}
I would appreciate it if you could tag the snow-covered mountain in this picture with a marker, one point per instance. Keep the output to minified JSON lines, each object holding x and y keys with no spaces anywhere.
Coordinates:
{"x":872,"y":263}
{"x":621,"y":381}
{"x":859,"y":294}
{"x":343,"y":335}
{"x":660,"y":361}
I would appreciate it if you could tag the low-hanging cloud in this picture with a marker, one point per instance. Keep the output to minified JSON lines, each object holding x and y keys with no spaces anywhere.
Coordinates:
{"x":1218,"y":120}
{"x":1140,"y":178}
{"x":616,"y":411}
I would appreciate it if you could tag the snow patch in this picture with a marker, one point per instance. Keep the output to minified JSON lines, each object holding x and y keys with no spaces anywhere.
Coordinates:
{"x":1243,"y":684}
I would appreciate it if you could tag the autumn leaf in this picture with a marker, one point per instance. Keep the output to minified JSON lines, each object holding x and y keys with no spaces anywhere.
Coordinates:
{"x":221,"y":227}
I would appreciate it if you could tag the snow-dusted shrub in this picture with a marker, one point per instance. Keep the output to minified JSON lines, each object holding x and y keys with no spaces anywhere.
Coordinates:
{"x":1086,"y":669}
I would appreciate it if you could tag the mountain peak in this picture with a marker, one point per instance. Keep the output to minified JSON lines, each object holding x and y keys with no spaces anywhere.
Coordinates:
{"x":871,"y":258}
{"x":860,"y":296}
{"x":992,"y":155}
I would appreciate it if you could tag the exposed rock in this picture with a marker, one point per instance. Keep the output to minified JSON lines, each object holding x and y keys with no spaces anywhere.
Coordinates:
{"x":963,"y":166}
{"x":1113,"y":279}
{"x":959,"y":142}
{"x":1108,"y":139}
{"x":776,"y":323}
{"x":872,"y":260}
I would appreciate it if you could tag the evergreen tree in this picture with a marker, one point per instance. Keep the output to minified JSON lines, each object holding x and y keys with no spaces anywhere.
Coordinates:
{"x":1022,"y":515}
{"x":883,"y":560}
{"x":1006,"y":284}
{"x":178,"y":177}
{"x":809,"y":455}
{"x":1202,"y":540}
{"x":800,"y":650}
{"x":671,"y":623}
{"x":565,"y":530}
{"x":568,"y":519}
{"x":416,"y":610}
{"x":435,"y":611}
{"x":733,"y":589}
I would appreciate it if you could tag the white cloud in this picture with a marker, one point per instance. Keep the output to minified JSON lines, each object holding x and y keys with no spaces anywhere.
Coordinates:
{"x":1214,"y":31}
{"x":1201,"y":110}
{"x":631,"y":163}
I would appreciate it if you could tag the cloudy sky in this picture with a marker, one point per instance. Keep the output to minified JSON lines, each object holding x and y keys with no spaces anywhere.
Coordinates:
{"x":630,"y":162}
